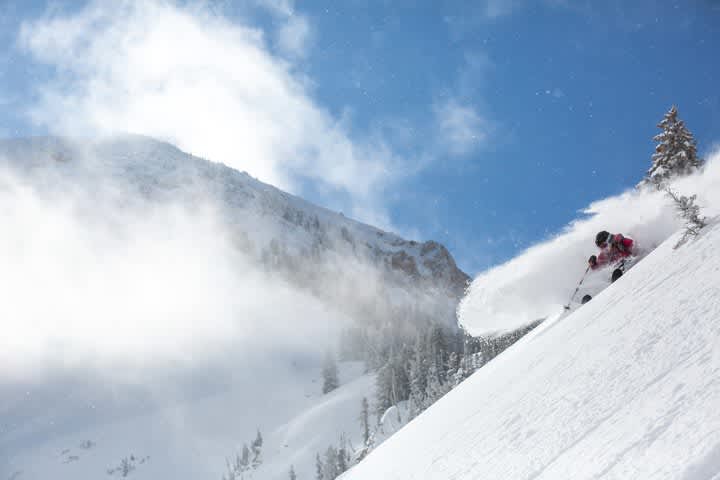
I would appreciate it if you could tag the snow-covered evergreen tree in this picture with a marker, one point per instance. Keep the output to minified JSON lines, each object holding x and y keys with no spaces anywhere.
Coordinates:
{"x":690,"y":212}
{"x":367,"y":438}
{"x":232,"y":472}
{"x":392,"y":383}
{"x":330,"y":470}
{"x":245,"y":457}
{"x":383,"y":390}
{"x":365,"y":421}
{"x":126,"y":467}
{"x":343,"y":457}
{"x":459,"y":375}
{"x":256,"y":448}
{"x":438,"y":350}
{"x":293,"y":476}
{"x":330,"y":373}
{"x":418,"y":379}
{"x":675,"y":153}
{"x":234,"y":469}
{"x":319,"y":468}
{"x":453,"y":364}
{"x":435,"y":388}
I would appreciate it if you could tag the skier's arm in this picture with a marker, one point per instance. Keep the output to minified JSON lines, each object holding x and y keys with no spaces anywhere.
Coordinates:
{"x":628,"y":244}
{"x":598,"y":261}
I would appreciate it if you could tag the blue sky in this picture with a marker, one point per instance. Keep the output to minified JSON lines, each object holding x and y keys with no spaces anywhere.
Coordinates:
{"x":484,"y":125}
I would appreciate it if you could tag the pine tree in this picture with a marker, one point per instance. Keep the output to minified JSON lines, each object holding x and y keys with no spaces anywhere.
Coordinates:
{"x":232,"y":471}
{"x":126,"y":467}
{"x":675,"y":153}
{"x":330,"y":471}
{"x":438,"y":350}
{"x":459,"y":374}
{"x":392,"y":383}
{"x":330,"y":373}
{"x":690,"y":212}
{"x":342,"y":456}
{"x":399,"y":360}
{"x":245,"y":458}
{"x":319,"y":468}
{"x":292,"y":473}
{"x":365,"y":421}
{"x":256,"y":447}
{"x":238,"y":466}
{"x":384,"y":397}
{"x":434,"y":389}
{"x":452,"y":367}
{"x":418,"y":379}
{"x":365,"y":424}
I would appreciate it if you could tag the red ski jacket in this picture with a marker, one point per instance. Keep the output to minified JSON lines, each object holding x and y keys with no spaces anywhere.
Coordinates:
{"x":618,"y":247}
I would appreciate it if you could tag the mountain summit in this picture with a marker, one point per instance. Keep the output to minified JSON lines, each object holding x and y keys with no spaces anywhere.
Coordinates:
{"x":306,"y":242}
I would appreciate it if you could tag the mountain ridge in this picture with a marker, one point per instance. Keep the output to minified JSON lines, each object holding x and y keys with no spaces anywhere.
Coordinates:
{"x":300,"y":228}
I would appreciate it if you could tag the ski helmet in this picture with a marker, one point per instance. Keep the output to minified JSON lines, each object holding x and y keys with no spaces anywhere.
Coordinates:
{"x":601,"y":237}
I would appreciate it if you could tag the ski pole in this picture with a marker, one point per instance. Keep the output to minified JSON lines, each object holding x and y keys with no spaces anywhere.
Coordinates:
{"x":567,"y":307}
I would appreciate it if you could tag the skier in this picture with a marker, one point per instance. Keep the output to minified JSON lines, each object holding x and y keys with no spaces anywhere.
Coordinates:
{"x":614,"y":248}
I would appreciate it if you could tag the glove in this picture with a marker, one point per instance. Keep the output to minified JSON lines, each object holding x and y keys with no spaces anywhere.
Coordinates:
{"x":592,"y":261}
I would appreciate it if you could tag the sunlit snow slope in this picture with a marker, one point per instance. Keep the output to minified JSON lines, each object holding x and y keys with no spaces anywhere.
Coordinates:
{"x":626,"y":387}
{"x":192,"y":438}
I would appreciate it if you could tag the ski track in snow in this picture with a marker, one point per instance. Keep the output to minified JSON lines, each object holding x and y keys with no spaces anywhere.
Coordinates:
{"x":628,"y":386}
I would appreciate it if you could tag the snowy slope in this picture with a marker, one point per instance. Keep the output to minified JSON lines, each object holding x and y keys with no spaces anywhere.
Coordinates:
{"x":628,"y":386}
{"x":193,"y":437}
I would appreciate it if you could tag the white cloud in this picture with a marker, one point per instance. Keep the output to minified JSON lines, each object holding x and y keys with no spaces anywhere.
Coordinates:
{"x":211,"y":86}
{"x":282,"y":8}
{"x":499,"y":8}
{"x":294,"y":35}
{"x":474,"y":72}
{"x":91,"y":284}
{"x":461,"y":129}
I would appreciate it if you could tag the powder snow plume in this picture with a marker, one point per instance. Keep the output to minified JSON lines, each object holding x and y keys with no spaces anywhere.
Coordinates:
{"x":538,"y":282}
{"x":96,"y":276}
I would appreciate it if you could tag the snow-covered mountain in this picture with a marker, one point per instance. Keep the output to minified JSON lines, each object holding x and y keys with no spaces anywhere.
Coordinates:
{"x":160,"y":308}
{"x":625,"y":387}
{"x":282,"y":229}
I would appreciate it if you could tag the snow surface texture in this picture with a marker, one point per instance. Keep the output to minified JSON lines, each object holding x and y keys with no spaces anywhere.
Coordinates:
{"x":537,"y":283}
{"x":628,"y":386}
